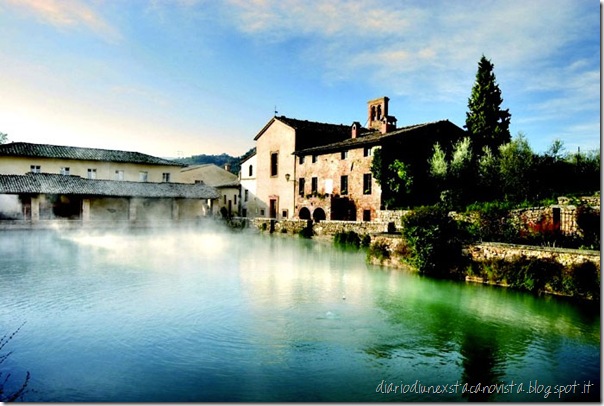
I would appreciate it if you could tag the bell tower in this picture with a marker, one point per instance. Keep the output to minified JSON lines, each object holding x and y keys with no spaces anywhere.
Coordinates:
{"x":377,"y":115}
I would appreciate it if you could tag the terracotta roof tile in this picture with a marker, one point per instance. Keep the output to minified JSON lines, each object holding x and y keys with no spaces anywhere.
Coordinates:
{"x":49,"y":183}
{"x":25,"y":149}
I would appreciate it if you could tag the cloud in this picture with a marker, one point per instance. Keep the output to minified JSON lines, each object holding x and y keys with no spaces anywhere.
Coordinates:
{"x":68,"y":14}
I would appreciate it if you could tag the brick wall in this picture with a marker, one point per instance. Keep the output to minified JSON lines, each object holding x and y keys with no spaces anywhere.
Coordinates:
{"x":328,"y":169}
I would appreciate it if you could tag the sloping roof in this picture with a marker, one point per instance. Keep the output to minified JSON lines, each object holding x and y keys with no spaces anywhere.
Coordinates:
{"x":25,"y":149}
{"x":312,"y":133}
{"x":213,"y":175}
{"x":50,"y":183}
{"x":373,"y":138}
{"x":247,"y":156}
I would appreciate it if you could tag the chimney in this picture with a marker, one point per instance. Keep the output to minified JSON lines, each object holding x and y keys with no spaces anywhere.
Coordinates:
{"x":355,"y":129}
{"x":227,"y":167}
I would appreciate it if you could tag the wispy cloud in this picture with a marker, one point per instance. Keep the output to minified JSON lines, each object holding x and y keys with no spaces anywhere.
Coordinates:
{"x":69,"y":14}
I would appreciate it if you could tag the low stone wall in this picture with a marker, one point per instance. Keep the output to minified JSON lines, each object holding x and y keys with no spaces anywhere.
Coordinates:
{"x":322,"y":228}
{"x":509,"y":252}
{"x":391,"y":216}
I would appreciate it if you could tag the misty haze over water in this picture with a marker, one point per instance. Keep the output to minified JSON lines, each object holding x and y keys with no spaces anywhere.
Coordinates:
{"x":209,"y":315}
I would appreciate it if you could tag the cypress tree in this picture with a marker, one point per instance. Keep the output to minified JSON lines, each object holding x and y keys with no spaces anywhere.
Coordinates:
{"x":486,"y":122}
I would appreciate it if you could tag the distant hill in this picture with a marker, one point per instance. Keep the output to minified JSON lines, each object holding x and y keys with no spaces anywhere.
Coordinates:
{"x":218,"y":160}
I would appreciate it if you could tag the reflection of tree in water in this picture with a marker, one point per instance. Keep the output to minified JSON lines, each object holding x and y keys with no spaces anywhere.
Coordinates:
{"x":482,"y":363}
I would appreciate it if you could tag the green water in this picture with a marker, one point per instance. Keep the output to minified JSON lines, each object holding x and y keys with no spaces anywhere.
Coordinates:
{"x":200,"y":315}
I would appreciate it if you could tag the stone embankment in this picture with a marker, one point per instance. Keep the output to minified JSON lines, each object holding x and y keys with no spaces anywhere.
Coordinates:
{"x":391,"y":249}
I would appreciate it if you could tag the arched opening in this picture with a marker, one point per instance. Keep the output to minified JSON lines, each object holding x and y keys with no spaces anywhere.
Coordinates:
{"x":304,"y":214}
{"x":318,"y":214}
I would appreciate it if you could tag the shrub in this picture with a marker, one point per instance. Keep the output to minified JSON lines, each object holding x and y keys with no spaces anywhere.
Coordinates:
{"x":493,"y":222}
{"x":5,"y":395}
{"x":306,"y":232}
{"x":366,"y":241}
{"x":433,"y":242}
{"x":588,"y":221}
{"x":378,"y":250}
{"x":347,"y":239}
{"x":582,"y":280}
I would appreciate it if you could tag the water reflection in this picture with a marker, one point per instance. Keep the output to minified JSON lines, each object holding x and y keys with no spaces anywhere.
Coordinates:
{"x":206,"y":316}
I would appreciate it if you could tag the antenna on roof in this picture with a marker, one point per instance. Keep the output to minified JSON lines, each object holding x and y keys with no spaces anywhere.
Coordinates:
{"x":276,"y":112}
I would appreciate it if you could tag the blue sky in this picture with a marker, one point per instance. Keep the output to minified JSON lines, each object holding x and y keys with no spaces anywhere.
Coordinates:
{"x":186,"y":77}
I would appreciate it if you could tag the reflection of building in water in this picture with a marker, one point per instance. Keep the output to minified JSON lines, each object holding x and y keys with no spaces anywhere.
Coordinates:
{"x":45,"y":182}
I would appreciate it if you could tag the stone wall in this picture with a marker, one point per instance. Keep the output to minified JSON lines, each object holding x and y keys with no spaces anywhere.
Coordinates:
{"x":322,"y":228}
{"x":509,"y":252}
{"x":392,"y":216}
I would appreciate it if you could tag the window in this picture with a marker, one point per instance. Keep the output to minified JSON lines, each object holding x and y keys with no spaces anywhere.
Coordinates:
{"x":367,"y":184}
{"x":344,"y":154}
{"x":165,"y":177}
{"x":65,"y":171}
{"x":143,"y":176}
{"x":250,"y":170}
{"x":234,"y":199}
{"x":119,"y":175}
{"x":274,"y":163}
{"x":91,"y":173}
{"x":224,"y":199}
{"x":284,"y":214}
{"x":262,"y":212}
{"x":301,"y":159}
{"x":314,"y":159}
{"x":344,"y":185}
{"x":366,"y":215}
{"x":314,"y":183}
{"x":35,"y":168}
{"x":367,"y":151}
{"x":301,"y":186}
{"x":247,"y":196}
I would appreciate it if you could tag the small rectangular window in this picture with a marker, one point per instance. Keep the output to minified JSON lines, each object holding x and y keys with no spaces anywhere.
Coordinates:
{"x":314,"y":159}
{"x":367,"y":184}
{"x":250,"y":170}
{"x":367,"y":151}
{"x":301,"y":159}
{"x":234,"y":199}
{"x":284,"y":214}
{"x":35,"y":168}
{"x":65,"y":171}
{"x":344,"y":154}
{"x":344,"y":185}
{"x":366,"y":215}
{"x":247,"y":195}
{"x":301,"y":186}
{"x":165,"y":177}
{"x":274,"y":163}
{"x":119,"y":175}
{"x":314,"y":185}
{"x":143,"y":176}
{"x":91,"y":173}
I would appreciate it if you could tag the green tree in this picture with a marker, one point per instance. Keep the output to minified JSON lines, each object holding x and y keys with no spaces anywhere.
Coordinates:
{"x":454,"y":177}
{"x":486,"y":122}
{"x":515,"y":168}
{"x":3,"y":138}
{"x":488,"y":175}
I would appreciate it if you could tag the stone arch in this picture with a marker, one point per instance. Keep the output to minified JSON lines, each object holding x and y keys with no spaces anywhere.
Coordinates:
{"x":304,"y":214}
{"x":318,"y":214}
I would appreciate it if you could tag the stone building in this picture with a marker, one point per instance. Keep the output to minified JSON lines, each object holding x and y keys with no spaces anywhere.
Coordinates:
{"x":276,"y":163}
{"x":251,"y":205}
{"x":323,"y":171}
{"x":222,"y":179}
{"x":40,"y":182}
